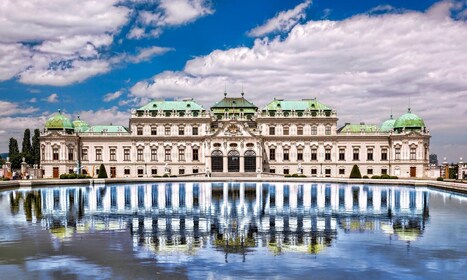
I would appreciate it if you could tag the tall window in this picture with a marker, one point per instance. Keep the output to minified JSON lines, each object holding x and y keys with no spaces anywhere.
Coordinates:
{"x":55,"y":154}
{"x":300,"y":154}
{"x":99,"y":154}
{"x":384,"y":154}
{"x":369,"y":154}
{"x":341,"y":154}
{"x":70,"y":153}
{"x":43,"y":153}
{"x":413,"y":153}
{"x":286,"y":154}
{"x":328,"y":130}
{"x":272,"y":154}
{"x":356,"y":154}
{"x":167,"y":130}
{"x":314,"y":130}
{"x":195,"y":130}
{"x":139,"y":130}
{"x":113,"y":154}
{"x":153,"y":154}
{"x":181,"y":130}
{"x":153,"y":130}
{"x":195,"y":154}
{"x":397,"y":153}
{"x":181,"y":154}
{"x":140,"y":154}
{"x":314,"y":154}
{"x":168,"y":156}
{"x":272,"y":130}
{"x":126,"y":154}
{"x":299,"y":130}
{"x":84,"y":153}
{"x":327,"y":154}
{"x":286,"y":130}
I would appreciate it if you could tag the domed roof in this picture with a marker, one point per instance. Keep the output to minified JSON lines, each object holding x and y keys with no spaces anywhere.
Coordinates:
{"x":80,"y":125}
{"x":58,"y":122}
{"x":409,"y":120}
{"x":388,"y":125}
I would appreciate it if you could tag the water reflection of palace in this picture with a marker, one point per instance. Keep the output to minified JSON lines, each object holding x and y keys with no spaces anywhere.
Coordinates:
{"x":234,"y":217}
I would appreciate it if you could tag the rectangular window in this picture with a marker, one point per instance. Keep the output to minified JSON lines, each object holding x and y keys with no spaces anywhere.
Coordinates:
{"x":356,"y":154}
{"x":398,"y":153}
{"x":181,"y":171}
{"x":299,"y":130}
{"x":300,"y":154}
{"x":286,"y":171}
{"x":369,"y":171}
{"x":413,"y":153}
{"x":85,"y":154}
{"x":314,"y":172}
{"x":384,"y":154}
{"x":286,"y":130}
{"x":341,"y":171}
{"x":195,"y":154}
{"x":341,"y":154}
{"x":195,"y":171}
{"x":369,"y":154}
{"x":272,"y":130}
{"x":286,"y":154}
{"x":126,"y":171}
{"x":168,"y":156}
{"x":154,"y":172}
{"x":70,"y":154}
{"x":181,"y":154}
{"x":167,"y":130}
{"x":195,"y":130}
{"x":272,"y":170}
{"x":384,"y":171}
{"x":55,"y":154}
{"x":126,"y":154}
{"x":181,"y":130}
{"x":272,"y":154}
{"x":153,"y":154}
{"x":140,"y":155}
{"x":139,"y":131}
{"x":314,"y":154}
{"x":314,"y":130}
{"x":328,"y":130}
{"x":327,"y":154}
{"x":98,"y":154}
{"x":113,"y":154}
{"x":140,"y":172}
{"x":327,"y":172}
{"x":153,"y":130}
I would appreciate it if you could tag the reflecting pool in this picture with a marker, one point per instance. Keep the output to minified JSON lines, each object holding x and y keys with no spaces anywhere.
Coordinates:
{"x":232,"y":231}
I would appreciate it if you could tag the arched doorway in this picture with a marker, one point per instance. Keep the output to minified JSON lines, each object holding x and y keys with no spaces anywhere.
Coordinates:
{"x":217,"y":161}
{"x":250,"y":161}
{"x":233,"y":162}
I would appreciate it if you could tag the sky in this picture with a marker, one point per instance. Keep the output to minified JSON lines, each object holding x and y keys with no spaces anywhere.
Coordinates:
{"x":365,"y":59}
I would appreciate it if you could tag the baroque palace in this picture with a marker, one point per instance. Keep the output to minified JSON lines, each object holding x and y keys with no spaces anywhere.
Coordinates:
{"x":285,"y":137}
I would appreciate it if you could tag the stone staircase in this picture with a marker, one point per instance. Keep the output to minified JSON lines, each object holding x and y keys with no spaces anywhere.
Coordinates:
{"x":233,"y":174}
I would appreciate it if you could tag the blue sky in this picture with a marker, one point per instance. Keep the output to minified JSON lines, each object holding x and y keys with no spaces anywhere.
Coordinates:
{"x":362,"y":58}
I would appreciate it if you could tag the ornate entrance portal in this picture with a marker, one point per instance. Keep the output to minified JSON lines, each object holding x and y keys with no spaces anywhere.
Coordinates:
{"x":217,"y":161}
{"x":233,"y":161}
{"x":250,"y":161}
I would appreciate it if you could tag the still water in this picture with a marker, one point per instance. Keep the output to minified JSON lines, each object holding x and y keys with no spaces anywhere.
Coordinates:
{"x":233,"y":230}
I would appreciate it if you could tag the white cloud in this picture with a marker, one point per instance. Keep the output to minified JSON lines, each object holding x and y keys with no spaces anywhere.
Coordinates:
{"x":283,"y":21}
{"x":112,"y":96}
{"x":15,"y":126}
{"x":53,"y":98}
{"x":362,"y":72}
{"x":10,"y":108}
{"x":105,"y":116}
{"x":147,"y":53}
{"x":33,"y":100}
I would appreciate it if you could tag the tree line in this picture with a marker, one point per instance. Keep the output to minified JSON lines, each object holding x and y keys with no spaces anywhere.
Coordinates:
{"x":30,"y":151}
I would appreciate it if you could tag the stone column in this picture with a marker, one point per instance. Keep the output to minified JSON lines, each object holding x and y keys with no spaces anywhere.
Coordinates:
{"x":446,"y":169}
{"x":460,"y":170}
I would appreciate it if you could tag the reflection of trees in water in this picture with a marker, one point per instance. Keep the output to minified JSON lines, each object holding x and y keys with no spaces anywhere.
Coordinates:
{"x":15,"y":199}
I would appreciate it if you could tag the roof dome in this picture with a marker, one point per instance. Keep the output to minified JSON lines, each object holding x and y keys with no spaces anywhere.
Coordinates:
{"x":388,"y":125}
{"x":79,"y":125}
{"x":409,"y":120}
{"x":58,"y":122}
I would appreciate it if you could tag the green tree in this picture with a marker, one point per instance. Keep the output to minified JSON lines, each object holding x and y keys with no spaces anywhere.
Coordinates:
{"x":26,"y":150}
{"x":13,"y":153}
{"x":36,"y":147}
{"x":102,"y":172}
{"x":355,"y":173}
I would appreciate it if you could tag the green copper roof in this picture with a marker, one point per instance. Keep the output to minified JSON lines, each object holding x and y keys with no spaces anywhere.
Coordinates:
{"x":409,"y":120}
{"x":107,"y":129}
{"x":358,"y":128}
{"x":80,"y":126}
{"x":388,"y":125}
{"x":58,"y":122}
{"x":234,"y":102}
{"x":297,"y":105}
{"x":167,"y":105}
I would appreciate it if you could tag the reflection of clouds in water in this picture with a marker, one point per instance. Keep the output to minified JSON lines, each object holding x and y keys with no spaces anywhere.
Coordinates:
{"x":68,"y":265}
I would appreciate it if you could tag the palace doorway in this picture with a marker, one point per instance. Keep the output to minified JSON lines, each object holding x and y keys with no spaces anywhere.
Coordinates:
{"x":250,"y":161}
{"x":233,"y":161}
{"x":413,"y":171}
{"x":217,"y":161}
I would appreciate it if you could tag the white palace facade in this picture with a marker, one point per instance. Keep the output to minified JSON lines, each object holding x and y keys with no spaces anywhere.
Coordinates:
{"x":285,"y":137}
